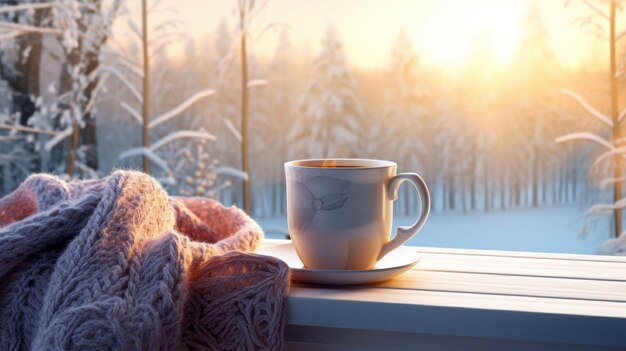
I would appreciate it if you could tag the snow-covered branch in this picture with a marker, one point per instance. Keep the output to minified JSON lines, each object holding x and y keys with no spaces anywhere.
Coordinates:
{"x":135,"y":28}
{"x":181,"y":108}
{"x":586,"y":136}
{"x":96,"y":91}
{"x":587,"y":106}
{"x":620,"y":35}
{"x":273,"y":25}
{"x":610,"y":181}
{"x":596,"y":9}
{"x":27,"y":129}
{"x":23,"y":28}
{"x":28,"y":7}
{"x":219,"y":188}
{"x":59,"y":137}
{"x":167,"y":37}
{"x":606,"y":208}
{"x":132,"y":112}
{"x":621,"y":115}
{"x":162,"y":45}
{"x":131,"y":67}
{"x":10,"y":35}
{"x":124,"y":81}
{"x":10,"y":138}
{"x":256,"y":83}
{"x":91,"y":173}
{"x":183,"y":134}
{"x":232,"y":129}
{"x":154,"y":158}
{"x":617,"y":151}
{"x":231,"y":172}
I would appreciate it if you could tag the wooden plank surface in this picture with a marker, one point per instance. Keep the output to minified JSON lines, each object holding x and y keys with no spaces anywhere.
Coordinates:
{"x":318,"y":338}
{"x":476,"y":252}
{"x":501,"y":317}
{"x":462,"y":300}
{"x":527,"y":297}
{"x":539,"y":267}
{"x":513,"y":285}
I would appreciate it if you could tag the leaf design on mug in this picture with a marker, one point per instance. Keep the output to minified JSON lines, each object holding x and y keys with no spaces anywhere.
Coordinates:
{"x":304,"y":211}
{"x":333,"y":201}
{"x":307,"y":204}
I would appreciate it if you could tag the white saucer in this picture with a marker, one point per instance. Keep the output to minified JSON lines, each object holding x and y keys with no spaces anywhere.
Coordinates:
{"x":395,"y":263}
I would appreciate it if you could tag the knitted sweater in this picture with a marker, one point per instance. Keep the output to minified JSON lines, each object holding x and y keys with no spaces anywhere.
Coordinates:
{"x":115,"y":264}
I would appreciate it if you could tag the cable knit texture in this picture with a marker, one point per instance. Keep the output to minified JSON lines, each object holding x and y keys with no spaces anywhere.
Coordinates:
{"x":115,"y":264}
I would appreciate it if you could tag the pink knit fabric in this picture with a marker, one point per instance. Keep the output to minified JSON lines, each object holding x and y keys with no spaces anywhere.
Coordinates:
{"x":117,"y":264}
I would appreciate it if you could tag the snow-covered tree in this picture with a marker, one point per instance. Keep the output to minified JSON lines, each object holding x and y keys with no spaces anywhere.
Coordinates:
{"x":405,"y":113}
{"x":86,"y":27}
{"x":480,"y":95}
{"x":21,"y":31}
{"x":535,"y":110}
{"x":408,"y":128}
{"x":75,"y":31}
{"x":612,"y":139}
{"x":331,"y":123}
{"x":174,"y":152}
{"x":24,"y":26}
{"x":271,"y":110}
{"x":224,"y":109}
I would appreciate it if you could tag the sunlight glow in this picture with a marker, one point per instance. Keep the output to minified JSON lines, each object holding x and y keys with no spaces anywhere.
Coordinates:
{"x":443,"y":32}
{"x":452,"y":29}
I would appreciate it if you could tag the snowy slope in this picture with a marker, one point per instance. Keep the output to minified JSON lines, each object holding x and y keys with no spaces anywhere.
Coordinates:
{"x":546,"y":229}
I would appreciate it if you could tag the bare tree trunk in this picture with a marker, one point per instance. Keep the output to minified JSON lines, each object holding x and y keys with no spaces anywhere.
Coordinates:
{"x":562,"y":180}
{"x":452,"y":192}
{"x":90,"y":60}
{"x":617,"y":188}
{"x":71,"y":155}
{"x":23,"y":77}
{"x":502,"y":189}
{"x":555,"y":184}
{"x":146,"y":83}
{"x":444,"y":196}
{"x":244,"y":117}
{"x":473,"y":178}
{"x":486,"y":184}
{"x":544,"y":184}
{"x":575,"y":186}
{"x":463,"y":191}
{"x":535,"y":175}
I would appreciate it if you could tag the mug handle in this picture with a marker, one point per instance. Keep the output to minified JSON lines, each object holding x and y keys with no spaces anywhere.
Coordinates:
{"x":403,"y":234}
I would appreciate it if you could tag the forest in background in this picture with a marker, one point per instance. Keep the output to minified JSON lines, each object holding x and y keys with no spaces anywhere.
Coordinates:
{"x":483,"y":138}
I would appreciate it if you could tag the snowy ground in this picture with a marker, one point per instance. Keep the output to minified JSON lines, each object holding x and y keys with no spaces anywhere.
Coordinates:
{"x":546,"y":229}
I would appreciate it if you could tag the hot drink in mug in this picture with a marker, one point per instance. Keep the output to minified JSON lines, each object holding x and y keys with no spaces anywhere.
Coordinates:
{"x":340,"y":211}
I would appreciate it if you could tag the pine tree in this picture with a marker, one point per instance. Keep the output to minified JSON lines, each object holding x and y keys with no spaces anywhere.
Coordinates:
{"x":480,"y":94}
{"x":535,"y":110}
{"x":407,"y":126}
{"x":225,"y":107}
{"x":405,"y":112}
{"x":81,"y":29}
{"x":159,"y":153}
{"x":612,"y":121}
{"x":332,"y":115}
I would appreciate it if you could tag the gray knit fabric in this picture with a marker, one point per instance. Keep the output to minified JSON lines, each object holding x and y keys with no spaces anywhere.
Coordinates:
{"x":115,"y":264}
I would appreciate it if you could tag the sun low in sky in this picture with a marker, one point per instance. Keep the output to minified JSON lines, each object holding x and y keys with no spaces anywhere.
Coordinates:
{"x":450,"y":31}
{"x":442,"y":31}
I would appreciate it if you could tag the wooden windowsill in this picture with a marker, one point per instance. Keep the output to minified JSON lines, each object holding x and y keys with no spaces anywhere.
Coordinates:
{"x":479,"y":299}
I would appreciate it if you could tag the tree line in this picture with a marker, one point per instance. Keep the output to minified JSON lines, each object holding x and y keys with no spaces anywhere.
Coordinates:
{"x":483,"y":136}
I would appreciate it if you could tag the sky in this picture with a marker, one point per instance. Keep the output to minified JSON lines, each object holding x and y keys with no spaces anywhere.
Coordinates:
{"x":442,"y":31}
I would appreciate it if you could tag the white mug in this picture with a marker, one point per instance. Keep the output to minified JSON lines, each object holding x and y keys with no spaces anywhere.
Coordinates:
{"x":340,"y":211}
